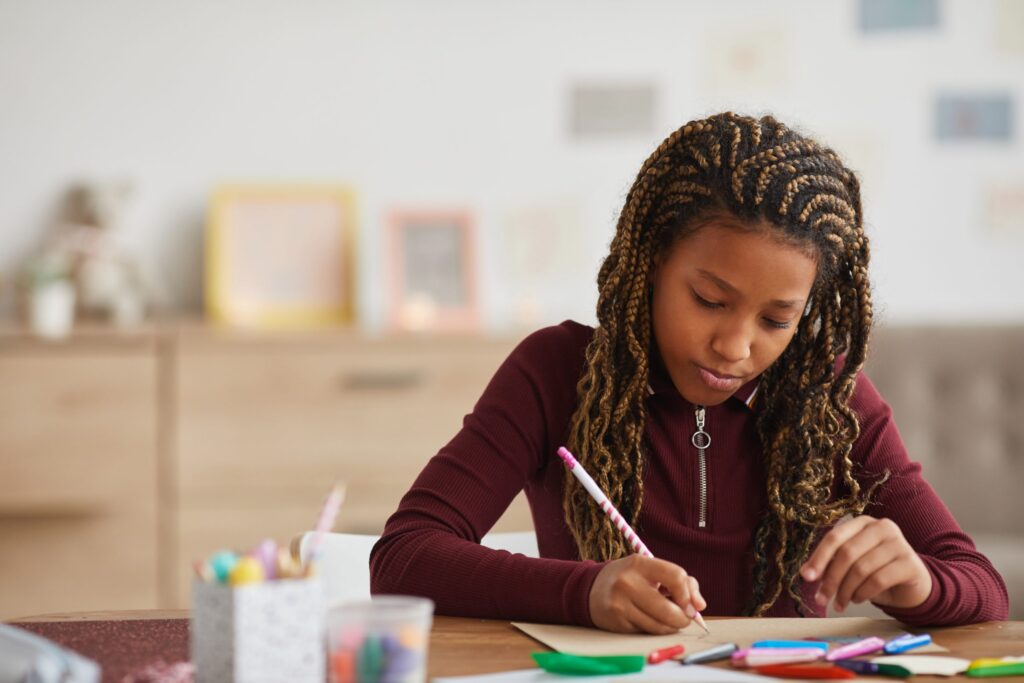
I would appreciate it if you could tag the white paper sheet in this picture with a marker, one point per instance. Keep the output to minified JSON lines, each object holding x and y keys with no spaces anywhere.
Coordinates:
{"x":669,"y":671}
{"x":927,"y":665}
{"x":590,"y":641}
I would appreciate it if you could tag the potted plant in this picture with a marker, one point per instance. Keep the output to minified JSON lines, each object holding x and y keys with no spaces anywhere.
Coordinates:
{"x":49,"y":295}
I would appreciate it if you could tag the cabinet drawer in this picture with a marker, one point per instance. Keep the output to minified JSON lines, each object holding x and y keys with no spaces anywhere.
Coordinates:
{"x":106,"y":561}
{"x":77,"y":430}
{"x":264,"y":426}
{"x":298,"y":419}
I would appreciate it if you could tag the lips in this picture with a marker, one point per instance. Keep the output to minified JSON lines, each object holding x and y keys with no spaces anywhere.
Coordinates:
{"x":719,"y":381}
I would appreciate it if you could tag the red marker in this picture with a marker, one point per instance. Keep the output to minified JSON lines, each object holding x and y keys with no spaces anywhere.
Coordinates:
{"x":670,"y":652}
{"x":814,"y":671}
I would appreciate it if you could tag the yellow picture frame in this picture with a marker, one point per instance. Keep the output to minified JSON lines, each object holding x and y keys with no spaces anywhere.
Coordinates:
{"x":281,"y":256}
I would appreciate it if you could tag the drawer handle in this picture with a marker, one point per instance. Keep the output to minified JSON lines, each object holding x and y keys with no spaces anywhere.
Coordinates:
{"x":58,"y":509}
{"x":381,"y":380}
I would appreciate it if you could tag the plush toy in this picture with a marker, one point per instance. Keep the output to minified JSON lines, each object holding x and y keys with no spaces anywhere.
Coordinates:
{"x":107,"y":280}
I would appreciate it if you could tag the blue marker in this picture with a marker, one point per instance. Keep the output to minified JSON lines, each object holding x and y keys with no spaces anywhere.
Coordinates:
{"x":907,"y":641}
{"x":792,"y":643}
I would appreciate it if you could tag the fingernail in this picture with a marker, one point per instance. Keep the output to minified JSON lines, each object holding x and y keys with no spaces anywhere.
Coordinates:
{"x":820,"y":598}
{"x":690,"y":611}
{"x":839,"y":608}
{"x":810,"y":574}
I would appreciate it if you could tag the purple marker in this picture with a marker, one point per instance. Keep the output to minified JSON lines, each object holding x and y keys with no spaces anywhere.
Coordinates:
{"x":873,"y":669}
{"x":861,"y":647}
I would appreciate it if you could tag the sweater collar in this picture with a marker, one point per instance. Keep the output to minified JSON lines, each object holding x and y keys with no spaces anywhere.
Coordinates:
{"x":660,"y":382}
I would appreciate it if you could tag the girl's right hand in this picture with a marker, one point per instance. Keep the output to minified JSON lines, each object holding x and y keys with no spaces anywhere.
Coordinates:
{"x":644,"y":594}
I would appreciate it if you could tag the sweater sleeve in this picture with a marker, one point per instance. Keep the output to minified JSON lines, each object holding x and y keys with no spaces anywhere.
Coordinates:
{"x":430,"y":545}
{"x":966,"y":588}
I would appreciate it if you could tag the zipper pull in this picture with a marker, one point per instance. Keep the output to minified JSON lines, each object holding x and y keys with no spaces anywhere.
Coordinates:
{"x":700,"y":438}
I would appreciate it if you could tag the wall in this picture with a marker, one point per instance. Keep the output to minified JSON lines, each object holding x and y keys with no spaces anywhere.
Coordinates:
{"x":464,"y":103}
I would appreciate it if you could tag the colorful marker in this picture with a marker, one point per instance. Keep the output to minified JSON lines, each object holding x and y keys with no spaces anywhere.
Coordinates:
{"x":875,"y":669}
{"x":765,"y":656}
{"x":908,"y":641}
{"x":325,"y":522}
{"x":670,"y":652}
{"x":1007,"y":666}
{"x":814,"y":671}
{"x":821,"y":645}
{"x":712,"y":654}
{"x":602,"y":500}
{"x":861,"y":647}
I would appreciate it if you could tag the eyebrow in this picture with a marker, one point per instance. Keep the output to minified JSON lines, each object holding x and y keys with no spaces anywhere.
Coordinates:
{"x":778,"y":303}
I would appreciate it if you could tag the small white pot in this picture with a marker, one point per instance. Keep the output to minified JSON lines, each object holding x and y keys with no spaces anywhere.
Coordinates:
{"x":51,"y":313}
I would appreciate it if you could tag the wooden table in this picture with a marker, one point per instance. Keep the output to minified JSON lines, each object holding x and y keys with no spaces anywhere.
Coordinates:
{"x":458,"y":646}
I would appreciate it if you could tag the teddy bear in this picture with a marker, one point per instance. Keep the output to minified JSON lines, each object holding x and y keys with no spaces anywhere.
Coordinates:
{"x":108,"y":282}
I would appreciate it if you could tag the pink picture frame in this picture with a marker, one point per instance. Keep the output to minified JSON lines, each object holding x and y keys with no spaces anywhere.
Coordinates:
{"x":432,"y":271}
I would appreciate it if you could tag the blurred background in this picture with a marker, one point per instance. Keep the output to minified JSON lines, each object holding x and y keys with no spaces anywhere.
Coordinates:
{"x":239,"y":239}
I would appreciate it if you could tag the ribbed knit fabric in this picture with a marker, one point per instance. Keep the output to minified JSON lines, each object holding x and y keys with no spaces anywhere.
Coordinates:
{"x":509,"y":442}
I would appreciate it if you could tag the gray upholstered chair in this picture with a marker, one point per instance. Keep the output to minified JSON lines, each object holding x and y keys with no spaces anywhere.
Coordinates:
{"x":957,"y":394}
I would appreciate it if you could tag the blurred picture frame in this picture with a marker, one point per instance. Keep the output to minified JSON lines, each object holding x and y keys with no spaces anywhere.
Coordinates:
{"x":432,"y":270}
{"x":281,"y":256}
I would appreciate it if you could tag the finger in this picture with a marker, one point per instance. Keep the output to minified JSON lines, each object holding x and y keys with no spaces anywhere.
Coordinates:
{"x":663,"y":610}
{"x":696,"y":601}
{"x":672,"y":578}
{"x":899,"y":571}
{"x":844,"y":558}
{"x":815,"y":565}
{"x":644,"y":621}
{"x":860,"y":576}
{"x":696,"y":598}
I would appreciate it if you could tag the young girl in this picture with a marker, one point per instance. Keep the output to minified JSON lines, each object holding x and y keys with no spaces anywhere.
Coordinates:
{"x":734,"y":302}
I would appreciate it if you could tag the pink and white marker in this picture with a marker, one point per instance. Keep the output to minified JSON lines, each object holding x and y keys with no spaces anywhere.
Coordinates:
{"x":325,"y":522}
{"x":602,"y":500}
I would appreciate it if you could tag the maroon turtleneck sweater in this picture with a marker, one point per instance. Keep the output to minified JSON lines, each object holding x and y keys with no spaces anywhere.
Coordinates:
{"x":430,"y":545}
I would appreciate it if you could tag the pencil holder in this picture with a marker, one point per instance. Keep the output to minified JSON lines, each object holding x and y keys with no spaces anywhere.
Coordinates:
{"x":258,"y":633}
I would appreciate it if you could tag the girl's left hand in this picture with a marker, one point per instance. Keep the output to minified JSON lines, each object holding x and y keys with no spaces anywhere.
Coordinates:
{"x":867,"y":559}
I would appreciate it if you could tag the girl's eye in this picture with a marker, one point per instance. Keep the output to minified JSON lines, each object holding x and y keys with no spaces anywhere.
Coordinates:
{"x":704,"y":302}
{"x":774,"y":324}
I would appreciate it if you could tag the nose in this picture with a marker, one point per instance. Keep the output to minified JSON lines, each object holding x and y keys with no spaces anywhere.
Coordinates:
{"x":732,"y":340}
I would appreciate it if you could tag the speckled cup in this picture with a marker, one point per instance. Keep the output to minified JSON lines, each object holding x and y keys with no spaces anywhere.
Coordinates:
{"x":269,"y":631}
{"x":383,"y":640}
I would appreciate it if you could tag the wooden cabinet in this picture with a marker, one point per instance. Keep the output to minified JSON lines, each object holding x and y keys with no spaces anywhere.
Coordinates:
{"x":126,"y":457}
{"x":78,"y":474}
{"x":265,"y":424}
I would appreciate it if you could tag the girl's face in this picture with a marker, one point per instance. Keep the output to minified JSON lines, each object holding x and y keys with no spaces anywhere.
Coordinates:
{"x":727,"y":300}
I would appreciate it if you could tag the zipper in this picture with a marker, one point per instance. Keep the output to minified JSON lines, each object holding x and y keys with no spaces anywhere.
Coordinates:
{"x":701,"y":440}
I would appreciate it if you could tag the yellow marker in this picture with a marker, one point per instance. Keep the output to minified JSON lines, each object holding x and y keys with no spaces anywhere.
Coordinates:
{"x":247,"y":570}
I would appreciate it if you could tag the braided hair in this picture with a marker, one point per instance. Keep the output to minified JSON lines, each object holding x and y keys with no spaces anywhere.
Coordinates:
{"x":757,"y":170}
